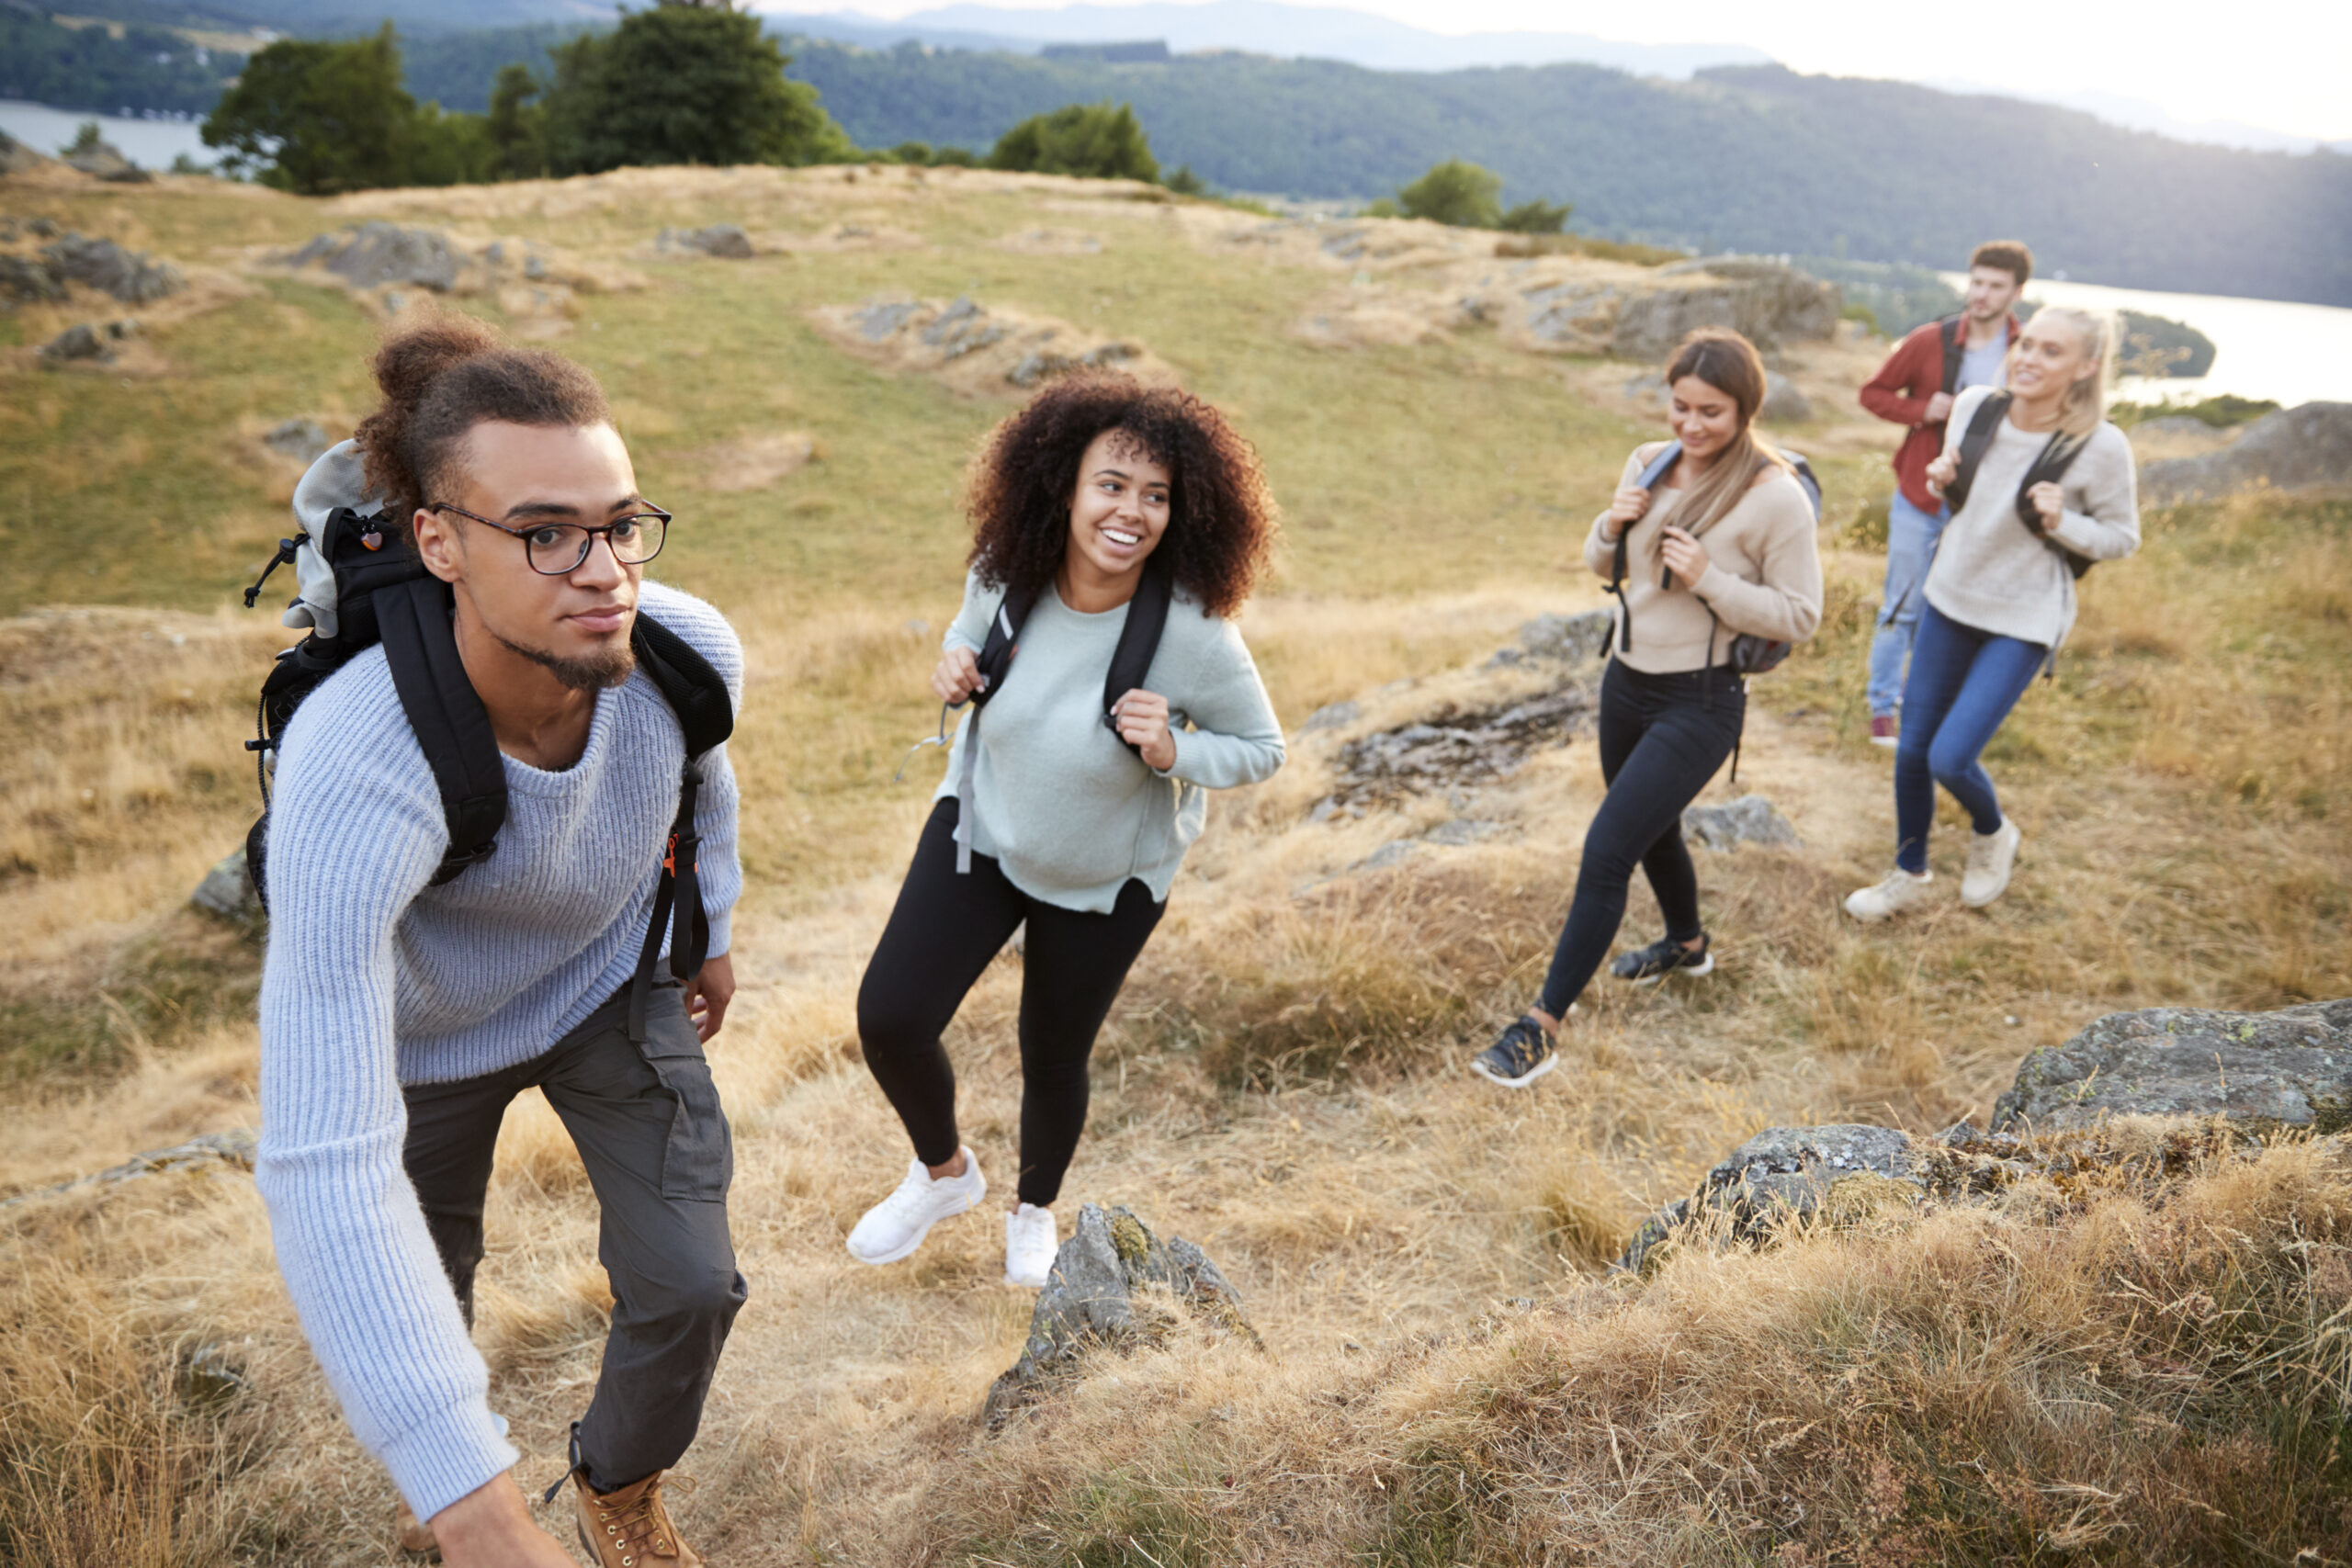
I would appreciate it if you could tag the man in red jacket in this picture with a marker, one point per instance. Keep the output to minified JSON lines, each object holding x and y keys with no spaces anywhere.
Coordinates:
{"x":1933,"y":365}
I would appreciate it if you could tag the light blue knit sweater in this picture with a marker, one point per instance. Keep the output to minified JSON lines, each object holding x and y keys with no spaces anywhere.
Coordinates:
{"x":1063,"y":806}
{"x":374,"y":980}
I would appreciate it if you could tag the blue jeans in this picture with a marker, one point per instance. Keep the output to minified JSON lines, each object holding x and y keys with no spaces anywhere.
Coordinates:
{"x":1911,"y":536}
{"x":1963,"y":682}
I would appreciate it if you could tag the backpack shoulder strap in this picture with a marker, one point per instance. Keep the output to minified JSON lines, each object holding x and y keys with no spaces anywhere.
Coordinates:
{"x":1949,"y":331}
{"x":1973,"y":446}
{"x":1003,"y":640}
{"x":1138,"y":638}
{"x":693,"y":689}
{"x":447,"y":718}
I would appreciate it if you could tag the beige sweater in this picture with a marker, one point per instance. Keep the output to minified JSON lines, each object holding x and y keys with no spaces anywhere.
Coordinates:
{"x":1994,"y":573}
{"x":1763,"y":575}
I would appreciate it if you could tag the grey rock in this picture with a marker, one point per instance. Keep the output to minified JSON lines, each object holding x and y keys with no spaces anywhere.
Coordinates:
{"x":105,"y":161}
{"x":2287,"y":1068}
{"x":1571,"y":313}
{"x":375,"y":253}
{"x":303,"y":440}
{"x":1571,"y":639}
{"x":1783,"y":1173}
{"x":16,"y":158}
{"x":1331,"y":715}
{"x":79,"y":341}
{"x":1099,"y":1296}
{"x":883,"y":319}
{"x":1395,"y":851}
{"x":1452,"y":749}
{"x":1041,"y":363}
{"x":233,"y":1150}
{"x":1766,"y":300}
{"x":1783,"y":402}
{"x":227,"y":891}
{"x":726,"y":240}
{"x":132,"y":277}
{"x":1464,"y":830}
{"x":2309,"y":448}
{"x":25,"y":280}
{"x":1750,"y":819}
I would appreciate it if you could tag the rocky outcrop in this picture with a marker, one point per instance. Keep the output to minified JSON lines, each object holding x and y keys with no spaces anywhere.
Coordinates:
{"x":1785,"y":401}
{"x":2220,"y":1076}
{"x":1750,"y":819}
{"x":103,"y":161}
{"x":1114,"y":1286}
{"x":2308,"y":447}
{"x":300,"y":440}
{"x":377,"y":253}
{"x":226,"y":893}
{"x":2289,"y":1068}
{"x":979,"y":347}
{"x":1564,"y":640}
{"x":132,"y":276}
{"x":233,"y":1150}
{"x":1768,"y":301}
{"x":88,"y":342}
{"x":16,"y":158}
{"x":1450,"y":749}
{"x":726,"y":240}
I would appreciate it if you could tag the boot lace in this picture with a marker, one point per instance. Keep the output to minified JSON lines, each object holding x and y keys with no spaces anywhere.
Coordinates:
{"x":639,"y":1523}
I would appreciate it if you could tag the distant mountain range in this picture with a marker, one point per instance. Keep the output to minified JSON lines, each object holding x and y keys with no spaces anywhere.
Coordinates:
{"x":1258,"y":27}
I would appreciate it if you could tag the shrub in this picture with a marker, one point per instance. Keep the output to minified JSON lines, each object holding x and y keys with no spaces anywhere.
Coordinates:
{"x":1461,"y":195}
{"x":1536,"y":218}
{"x":1092,"y":140}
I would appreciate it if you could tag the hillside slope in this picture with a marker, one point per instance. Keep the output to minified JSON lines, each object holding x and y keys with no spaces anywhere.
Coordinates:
{"x":1449,"y":1379}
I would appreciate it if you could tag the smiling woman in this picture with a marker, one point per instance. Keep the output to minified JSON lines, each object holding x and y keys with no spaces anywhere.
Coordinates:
{"x":1099,"y":507}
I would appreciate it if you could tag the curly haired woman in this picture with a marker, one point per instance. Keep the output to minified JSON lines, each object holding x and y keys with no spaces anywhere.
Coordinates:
{"x":1079,"y":818}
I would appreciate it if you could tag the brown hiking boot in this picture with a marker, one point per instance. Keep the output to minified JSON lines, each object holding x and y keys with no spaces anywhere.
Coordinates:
{"x":415,"y":1536}
{"x":630,"y":1528}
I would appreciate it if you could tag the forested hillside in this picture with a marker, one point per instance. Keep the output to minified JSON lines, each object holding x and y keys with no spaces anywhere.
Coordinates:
{"x":1743,"y":157}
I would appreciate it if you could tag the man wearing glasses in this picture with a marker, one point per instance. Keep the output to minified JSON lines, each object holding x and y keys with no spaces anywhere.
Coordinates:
{"x":404,"y":1007}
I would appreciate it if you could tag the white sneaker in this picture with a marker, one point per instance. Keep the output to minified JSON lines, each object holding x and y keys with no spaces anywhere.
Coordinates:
{"x":1991,"y":857}
{"x":1030,"y":1246}
{"x":895,"y":1227}
{"x":1897,"y":893}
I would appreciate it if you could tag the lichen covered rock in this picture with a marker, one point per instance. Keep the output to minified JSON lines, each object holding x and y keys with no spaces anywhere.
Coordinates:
{"x":2287,"y":1068}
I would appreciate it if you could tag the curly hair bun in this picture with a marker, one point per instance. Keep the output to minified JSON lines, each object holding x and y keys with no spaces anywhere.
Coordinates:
{"x":443,"y":376}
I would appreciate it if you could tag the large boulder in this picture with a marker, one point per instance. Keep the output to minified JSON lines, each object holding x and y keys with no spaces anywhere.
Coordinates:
{"x":1114,"y":1286}
{"x":132,"y":276}
{"x":1787,"y":1173}
{"x":2287,"y":1068}
{"x":726,"y":240}
{"x":2309,"y":448}
{"x":103,"y":161}
{"x":228,"y":893}
{"x":1768,"y":301}
{"x":377,"y":253}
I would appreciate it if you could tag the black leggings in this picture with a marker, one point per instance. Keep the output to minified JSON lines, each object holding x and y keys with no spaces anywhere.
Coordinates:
{"x":942,"y":933}
{"x":1661,"y":741}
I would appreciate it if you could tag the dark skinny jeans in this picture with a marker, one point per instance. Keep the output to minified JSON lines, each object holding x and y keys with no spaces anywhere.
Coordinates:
{"x":942,"y":933}
{"x":1963,"y":685}
{"x":1661,"y":741}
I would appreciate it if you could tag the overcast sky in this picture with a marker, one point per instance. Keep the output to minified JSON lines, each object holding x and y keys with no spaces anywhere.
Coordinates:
{"x":2278,"y":64}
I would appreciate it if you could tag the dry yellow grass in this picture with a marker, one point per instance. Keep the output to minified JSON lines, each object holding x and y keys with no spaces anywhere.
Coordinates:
{"x":1282,"y":1084}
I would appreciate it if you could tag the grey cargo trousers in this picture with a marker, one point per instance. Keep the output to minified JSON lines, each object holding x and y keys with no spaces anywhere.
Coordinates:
{"x":647,"y":1125}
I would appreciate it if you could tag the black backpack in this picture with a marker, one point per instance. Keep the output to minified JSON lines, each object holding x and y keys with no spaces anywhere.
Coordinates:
{"x":1948,"y":333}
{"x":384,"y":595}
{"x":2057,"y":454}
{"x":1130,"y":662}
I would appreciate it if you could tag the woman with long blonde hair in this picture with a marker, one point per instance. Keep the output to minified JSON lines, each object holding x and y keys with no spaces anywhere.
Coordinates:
{"x":2041,"y":485}
{"x":1710,"y":539}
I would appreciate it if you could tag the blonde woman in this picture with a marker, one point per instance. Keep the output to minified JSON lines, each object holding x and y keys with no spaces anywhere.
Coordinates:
{"x":2039,"y":485}
{"x":1715,"y":544}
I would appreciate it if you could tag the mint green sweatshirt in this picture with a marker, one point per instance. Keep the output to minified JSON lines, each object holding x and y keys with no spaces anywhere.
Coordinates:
{"x":1058,"y":800}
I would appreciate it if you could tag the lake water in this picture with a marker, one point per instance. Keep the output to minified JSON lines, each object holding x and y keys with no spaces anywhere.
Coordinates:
{"x":2263,"y":348}
{"x":150,"y":144}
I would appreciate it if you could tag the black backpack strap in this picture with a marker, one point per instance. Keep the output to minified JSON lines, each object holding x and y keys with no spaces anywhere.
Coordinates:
{"x":1656,"y":469}
{"x":2058,"y":455}
{"x":1138,"y":640}
{"x":706,"y":718}
{"x":1973,"y":445}
{"x":447,"y":718}
{"x":995,"y":662}
{"x":1949,"y":331}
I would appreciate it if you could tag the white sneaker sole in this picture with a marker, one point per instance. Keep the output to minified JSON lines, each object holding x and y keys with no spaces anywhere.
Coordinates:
{"x":1978,"y":901}
{"x":902,"y":1253}
{"x":1704,"y":967}
{"x":1036,"y":1284}
{"x":1545,"y":1065}
{"x":1889,"y":741}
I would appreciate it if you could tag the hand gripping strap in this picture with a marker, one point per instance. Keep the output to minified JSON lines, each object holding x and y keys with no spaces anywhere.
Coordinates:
{"x":1973,"y":448}
{"x":446,"y":717}
{"x":1658,"y":467}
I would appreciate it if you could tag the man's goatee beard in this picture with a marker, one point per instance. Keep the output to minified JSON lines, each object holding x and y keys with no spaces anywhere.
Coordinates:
{"x":591,"y":674}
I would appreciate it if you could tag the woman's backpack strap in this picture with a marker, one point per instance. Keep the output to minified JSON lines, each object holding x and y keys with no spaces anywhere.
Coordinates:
{"x":447,"y":718}
{"x":1138,"y":640}
{"x":1978,"y":440}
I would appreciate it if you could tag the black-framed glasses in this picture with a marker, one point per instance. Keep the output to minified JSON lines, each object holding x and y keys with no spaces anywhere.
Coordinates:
{"x":556,"y":549}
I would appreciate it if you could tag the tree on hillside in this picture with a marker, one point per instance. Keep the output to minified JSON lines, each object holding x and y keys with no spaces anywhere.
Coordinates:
{"x":516,"y":127}
{"x":1456,"y":193}
{"x":684,"y":82}
{"x":318,"y":117}
{"x":1094,"y":141}
{"x":1536,"y":218}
